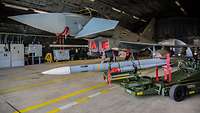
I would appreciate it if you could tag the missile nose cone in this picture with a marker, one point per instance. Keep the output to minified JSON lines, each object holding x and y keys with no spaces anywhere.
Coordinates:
{"x":58,"y":71}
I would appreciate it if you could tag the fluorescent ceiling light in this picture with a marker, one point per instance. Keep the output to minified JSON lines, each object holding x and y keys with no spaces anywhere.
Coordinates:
{"x":182,"y":9}
{"x":23,"y":8}
{"x":39,"y":11}
{"x":89,"y":8}
{"x":135,"y":17}
{"x":143,"y":20}
{"x":177,"y":3}
{"x":15,"y":6}
{"x":116,"y":9}
{"x":124,"y":12}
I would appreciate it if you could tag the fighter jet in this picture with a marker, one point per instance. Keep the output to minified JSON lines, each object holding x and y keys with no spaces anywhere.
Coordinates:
{"x":102,"y":34}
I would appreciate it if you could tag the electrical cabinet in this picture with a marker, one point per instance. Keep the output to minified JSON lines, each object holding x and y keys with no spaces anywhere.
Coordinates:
{"x":11,"y":55}
{"x":4,"y":56}
{"x":17,"y":55}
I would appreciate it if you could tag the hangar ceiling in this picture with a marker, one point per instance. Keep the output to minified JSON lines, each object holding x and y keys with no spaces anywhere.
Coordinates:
{"x":133,"y":14}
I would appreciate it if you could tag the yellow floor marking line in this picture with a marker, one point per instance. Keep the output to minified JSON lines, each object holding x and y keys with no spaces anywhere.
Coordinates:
{"x":28,"y":86}
{"x":77,"y":85}
{"x":55,"y":111}
{"x":104,"y":91}
{"x":80,"y":100}
{"x":75,"y":93}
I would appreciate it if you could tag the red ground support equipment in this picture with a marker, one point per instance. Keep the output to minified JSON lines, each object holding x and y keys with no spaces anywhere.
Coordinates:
{"x":109,"y":77}
{"x":61,"y":36}
{"x":157,"y":77}
{"x":168,"y":69}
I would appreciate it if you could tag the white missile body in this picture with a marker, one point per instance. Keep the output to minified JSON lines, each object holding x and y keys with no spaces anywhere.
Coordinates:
{"x":124,"y":65}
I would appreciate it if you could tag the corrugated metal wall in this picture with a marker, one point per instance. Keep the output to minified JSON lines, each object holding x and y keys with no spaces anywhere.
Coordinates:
{"x":178,"y":27}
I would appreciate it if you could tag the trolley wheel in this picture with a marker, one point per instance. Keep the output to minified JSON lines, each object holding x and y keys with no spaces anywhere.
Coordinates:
{"x":177,"y":92}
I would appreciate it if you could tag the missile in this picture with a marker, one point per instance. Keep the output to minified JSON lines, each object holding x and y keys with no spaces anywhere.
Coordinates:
{"x":123,"y":65}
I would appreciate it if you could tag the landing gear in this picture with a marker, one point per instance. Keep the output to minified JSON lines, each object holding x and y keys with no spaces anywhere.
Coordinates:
{"x":177,"y":92}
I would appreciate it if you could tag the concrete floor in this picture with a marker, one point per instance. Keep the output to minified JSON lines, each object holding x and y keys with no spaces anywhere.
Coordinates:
{"x":26,"y":90}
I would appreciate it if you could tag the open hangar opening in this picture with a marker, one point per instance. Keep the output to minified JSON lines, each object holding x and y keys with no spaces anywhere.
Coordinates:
{"x":47,"y":46}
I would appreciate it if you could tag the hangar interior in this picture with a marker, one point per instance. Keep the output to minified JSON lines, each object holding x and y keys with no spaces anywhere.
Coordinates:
{"x":99,"y":56}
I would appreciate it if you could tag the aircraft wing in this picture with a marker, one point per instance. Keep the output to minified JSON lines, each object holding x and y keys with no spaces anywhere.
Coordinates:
{"x":53,"y":22}
{"x":141,"y":45}
{"x":135,"y":45}
{"x":97,"y":25}
{"x":79,"y":25}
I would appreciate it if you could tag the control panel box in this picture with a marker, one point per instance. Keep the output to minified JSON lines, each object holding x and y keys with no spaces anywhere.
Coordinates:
{"x":60,"y":55}
{"x":35,"y":49}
